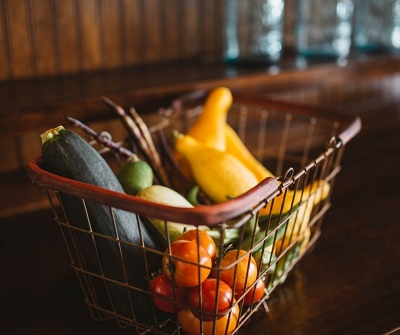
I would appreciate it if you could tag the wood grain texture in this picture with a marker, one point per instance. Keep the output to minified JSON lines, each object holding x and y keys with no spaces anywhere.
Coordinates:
{"x":132,"y":39}
{"x":20,"y":38}
{"x":43,"y":37}
{"x":88,"y":18}
{"x":111,"y":40}
{"x":67,"y":36}
{"x":5,"y":57}
{"x":59,"y":37}
{"x":190,"y":27}
{"x":171,"y":26}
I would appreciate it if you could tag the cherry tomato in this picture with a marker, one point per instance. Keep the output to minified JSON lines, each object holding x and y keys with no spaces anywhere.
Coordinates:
{"x":255,"y":293}
{"x":164,"y":293}
{"x":239,"y":273}
{"x":191,"y":325}
{"x":188,"y":265}
{"x":205,"y":240}
{"x":206,"y":298}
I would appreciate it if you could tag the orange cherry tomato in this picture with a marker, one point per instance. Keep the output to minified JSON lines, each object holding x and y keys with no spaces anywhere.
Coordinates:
{"x":255,"y":293}
{"x":188,"y":265}
{"x":200,"y":236}
{"x":165,"y":294}
{"x":191,"y":325}
{"x":239,"y":273}
{"x":210,"y":298}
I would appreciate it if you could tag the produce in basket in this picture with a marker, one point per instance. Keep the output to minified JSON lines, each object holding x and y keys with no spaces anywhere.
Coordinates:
{"x":166,"y":295}
{"x":299,"y":218}
{"x":211,"y":299}
{"x":66,"y":154}
{"x":166,"y":196}
{"x":284,"y":202}
{"x":151,"y":282}
{"x":237,"y":148}
{"x":212,"y":129}
{"x":219,"y":174}
{"x":201,"y":237}
{"x":256,"y":292}
{"x":192,"y":325}
{"x":209,"y":128}
{"x":186,"y":263}
{"x":238,"y":269}
{"x":135,"y":175}
{"x":223,"y":168}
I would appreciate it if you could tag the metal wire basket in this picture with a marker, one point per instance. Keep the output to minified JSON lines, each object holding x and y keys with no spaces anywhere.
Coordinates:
{"x":275,"y":223}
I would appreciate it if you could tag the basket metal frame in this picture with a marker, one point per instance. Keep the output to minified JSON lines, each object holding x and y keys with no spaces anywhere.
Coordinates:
{"x":232,"y":214}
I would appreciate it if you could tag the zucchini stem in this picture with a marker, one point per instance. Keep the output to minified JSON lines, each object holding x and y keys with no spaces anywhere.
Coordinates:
{"x":50,"y":134}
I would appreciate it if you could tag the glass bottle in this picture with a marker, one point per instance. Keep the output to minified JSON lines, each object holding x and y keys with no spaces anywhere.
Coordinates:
{"x":254,"y":30}
{"x":324,"y":28}
{"x":377,"y":25}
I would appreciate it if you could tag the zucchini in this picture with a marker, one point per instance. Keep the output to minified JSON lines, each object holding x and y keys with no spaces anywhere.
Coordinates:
{"x":67,"y":154}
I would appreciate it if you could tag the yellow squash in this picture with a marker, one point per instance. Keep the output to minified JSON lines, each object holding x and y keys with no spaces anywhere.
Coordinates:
{"x":300,"y":218}
{"x":209,"y":128}
{"x":237,"y":148}
{"x":293,"y":198}
{"x":219,"y":174}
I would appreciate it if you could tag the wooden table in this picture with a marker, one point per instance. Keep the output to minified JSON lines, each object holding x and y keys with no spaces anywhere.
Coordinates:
{"x":348,"y":284}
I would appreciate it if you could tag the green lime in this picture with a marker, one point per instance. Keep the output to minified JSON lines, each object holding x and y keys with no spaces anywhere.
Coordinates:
{"x":135,"y":175}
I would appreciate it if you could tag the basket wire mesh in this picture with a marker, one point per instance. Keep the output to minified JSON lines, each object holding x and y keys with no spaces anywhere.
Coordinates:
{"x":302,"y":145}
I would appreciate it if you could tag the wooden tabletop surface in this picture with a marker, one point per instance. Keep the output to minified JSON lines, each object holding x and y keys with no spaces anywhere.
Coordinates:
{"x":348,"y":284}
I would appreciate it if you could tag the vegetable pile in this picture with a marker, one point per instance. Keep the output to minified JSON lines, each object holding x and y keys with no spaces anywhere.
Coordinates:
{"x":205,"y":277}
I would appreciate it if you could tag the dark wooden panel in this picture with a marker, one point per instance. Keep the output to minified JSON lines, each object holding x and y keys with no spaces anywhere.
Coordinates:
{"x":131,"y":36}
{"x":67,"y":36}
{"x":89,"y":29}
{"x":110,"y":33}
{"x":41,"y":26}
{"x":190,"y":24}
{"x":18,"y":15}
{"x":56,"y":37}
{"x":172,"y":31}
{"x":4,"y":50}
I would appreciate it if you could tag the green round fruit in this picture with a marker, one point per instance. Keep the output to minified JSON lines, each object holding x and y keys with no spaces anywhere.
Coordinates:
{"x":135,"y":175}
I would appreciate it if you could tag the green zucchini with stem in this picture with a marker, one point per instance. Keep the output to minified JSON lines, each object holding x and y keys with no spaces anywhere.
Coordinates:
{"x":67,"y":154}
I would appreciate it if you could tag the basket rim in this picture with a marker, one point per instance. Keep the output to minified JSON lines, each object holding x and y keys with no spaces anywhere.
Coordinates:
{"x":209,"y":215}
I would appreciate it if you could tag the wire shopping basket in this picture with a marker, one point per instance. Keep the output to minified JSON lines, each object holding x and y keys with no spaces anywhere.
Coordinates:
{"x":268,"y":229}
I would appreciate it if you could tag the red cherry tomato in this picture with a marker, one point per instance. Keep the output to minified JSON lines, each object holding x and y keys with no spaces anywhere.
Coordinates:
{"x":207,"y":299}
{"x":165,"y":294}
{"x":188,"y":265}
{"x":238,"y":270}
{"x":200,"y":236}
{"x":226,"y":325}
{"x":255,"y":293}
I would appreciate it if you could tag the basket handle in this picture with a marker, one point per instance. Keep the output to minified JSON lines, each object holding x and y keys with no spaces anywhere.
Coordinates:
{"x":209,"y":215}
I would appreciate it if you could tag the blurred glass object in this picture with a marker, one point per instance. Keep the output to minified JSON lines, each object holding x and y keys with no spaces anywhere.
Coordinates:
{"x":377,"y":25}
{"x":324,"y":28}
{"x":254,"y":30}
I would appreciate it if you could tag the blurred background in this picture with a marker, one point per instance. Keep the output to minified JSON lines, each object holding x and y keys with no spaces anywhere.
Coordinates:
{"x":59,"y":58}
